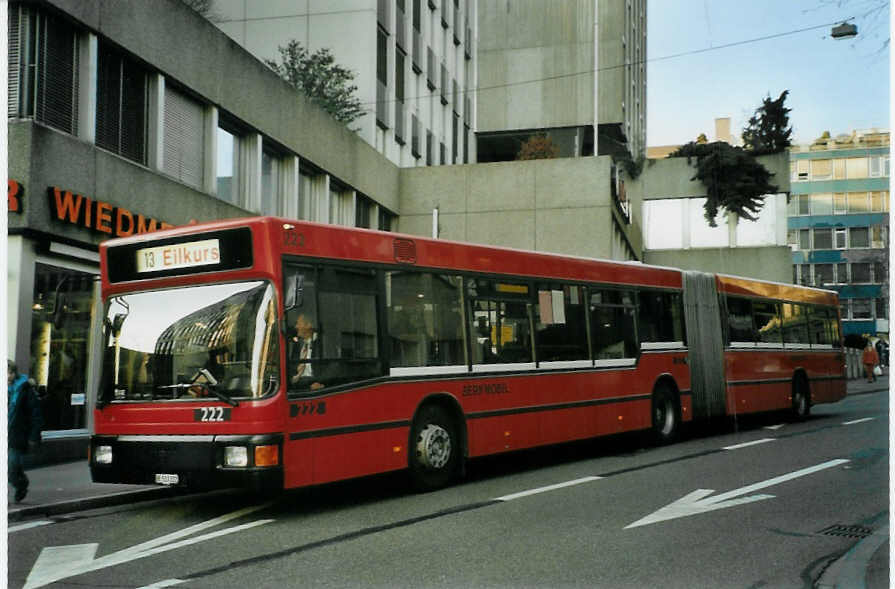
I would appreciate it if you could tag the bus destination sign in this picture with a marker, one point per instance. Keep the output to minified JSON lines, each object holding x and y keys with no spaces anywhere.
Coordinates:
{"x":178,"y":255}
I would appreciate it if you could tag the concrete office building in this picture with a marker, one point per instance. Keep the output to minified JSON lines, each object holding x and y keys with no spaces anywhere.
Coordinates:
{"x":839,"y":224}
{"x":414,"y":60}
{"x":572,"y":70}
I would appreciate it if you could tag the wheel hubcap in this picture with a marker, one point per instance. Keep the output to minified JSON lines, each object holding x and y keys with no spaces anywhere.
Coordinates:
{"x":665,"y":417}
{"x":433,"y":446}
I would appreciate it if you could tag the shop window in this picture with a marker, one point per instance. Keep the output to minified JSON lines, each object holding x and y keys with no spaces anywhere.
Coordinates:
{"x":560,"y":323}
{"x":184,"y":141}
{"x":60,"y":327}
{"x":121,"y":101}
{"x":425,"y":319}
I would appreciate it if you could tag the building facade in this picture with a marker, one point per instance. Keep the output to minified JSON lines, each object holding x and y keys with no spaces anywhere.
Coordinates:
{"x":838,"y":224}
{"x":414,"y":61}
{"x":572,"y":70}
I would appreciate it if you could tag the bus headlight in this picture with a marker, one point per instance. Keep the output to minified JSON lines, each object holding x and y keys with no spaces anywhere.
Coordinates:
{"x":236,"y":456}
{"x":103,"y":455}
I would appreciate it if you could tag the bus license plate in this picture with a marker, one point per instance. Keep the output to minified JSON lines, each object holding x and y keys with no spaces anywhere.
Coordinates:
{"x":167,"y":479}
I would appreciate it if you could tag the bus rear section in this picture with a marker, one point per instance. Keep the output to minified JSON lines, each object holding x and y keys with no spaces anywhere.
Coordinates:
{"x":758,"y":346}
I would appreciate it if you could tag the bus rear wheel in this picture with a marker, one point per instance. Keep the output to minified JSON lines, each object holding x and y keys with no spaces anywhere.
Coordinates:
{"x":434,"y":449}
{"x":801,"y":399}
{"x":666,"y":415}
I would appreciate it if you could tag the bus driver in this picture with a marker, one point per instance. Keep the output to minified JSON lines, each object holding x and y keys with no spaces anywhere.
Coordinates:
{"x":305,"y":341}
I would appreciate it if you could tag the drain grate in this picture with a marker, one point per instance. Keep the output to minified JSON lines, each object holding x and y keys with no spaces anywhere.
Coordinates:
{"x":847,"y":531}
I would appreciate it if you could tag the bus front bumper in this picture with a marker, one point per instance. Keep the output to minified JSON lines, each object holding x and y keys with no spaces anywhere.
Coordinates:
{"x":199,"y":462}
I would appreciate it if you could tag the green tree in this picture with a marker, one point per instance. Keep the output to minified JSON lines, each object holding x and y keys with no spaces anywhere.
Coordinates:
{"x":321,"y":79}
{"x":734,"y":180}
{"x":768,"y":130}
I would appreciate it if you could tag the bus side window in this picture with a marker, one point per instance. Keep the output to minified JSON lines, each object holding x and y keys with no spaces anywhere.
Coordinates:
{"x":499,"y":326}
{"x":767,"y":322}
{"x":561,"y":333}
{"x":739,"y":320}
{"x":660,"y":317}
{"x":612,"y":325}
{"x":795,"y":324}
{"x":303,"y":342}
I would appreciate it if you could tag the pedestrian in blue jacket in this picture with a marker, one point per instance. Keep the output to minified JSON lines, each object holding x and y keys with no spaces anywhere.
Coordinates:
{"x":23,"y":431}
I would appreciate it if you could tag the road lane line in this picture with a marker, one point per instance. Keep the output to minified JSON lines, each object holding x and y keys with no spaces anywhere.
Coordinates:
{"x":546,"y":489}
{"x":746,"y":444}
{"x":28,"y":526}
{"x":854,"y":421}
{"x":162,"y":584}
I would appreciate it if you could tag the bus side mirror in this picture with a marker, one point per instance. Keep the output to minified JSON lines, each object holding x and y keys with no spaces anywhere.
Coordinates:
{"x":294,"y":291}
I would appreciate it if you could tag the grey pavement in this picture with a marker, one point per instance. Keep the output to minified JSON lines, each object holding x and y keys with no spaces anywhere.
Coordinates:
{"x":65,"y":488}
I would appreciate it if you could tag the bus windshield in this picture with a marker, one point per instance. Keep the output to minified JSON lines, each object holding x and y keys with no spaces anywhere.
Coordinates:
{"x":214,"y":341}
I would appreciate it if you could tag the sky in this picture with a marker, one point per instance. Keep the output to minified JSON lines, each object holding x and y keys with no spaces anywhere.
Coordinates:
{"x":834,"y":85}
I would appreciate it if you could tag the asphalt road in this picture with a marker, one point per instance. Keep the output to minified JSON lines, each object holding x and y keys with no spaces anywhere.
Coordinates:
{"x":747,"y":508}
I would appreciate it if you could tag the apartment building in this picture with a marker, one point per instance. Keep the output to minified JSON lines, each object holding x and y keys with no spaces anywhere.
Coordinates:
{"x":838,"y":223}
{"x":414,"y":61}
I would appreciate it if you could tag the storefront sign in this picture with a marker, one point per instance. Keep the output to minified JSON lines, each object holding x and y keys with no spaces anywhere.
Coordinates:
{"x":14,"y":194}
{"x":99,"y":216}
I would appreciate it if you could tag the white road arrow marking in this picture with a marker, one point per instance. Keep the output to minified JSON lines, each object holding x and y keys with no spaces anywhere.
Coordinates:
{"x":699,"y":501}
{"x":60,"y":562}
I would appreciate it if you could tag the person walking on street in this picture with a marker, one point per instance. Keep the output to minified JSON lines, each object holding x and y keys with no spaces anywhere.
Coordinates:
{"x":23,"y":429}
{"x":870,"y":359}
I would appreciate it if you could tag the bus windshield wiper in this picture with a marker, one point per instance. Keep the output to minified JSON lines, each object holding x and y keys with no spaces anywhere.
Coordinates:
{"x":209,"y":384}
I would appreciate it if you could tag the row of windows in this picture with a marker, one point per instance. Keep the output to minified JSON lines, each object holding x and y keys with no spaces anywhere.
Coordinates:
{"x":839,"y":168}
{"x":451,"y":321}
{"x":45,"y":56}
{"x":864,"y":308}
{"x":838,"y":203}
{"x":777,"y":323}
{"x":840,"y":238}
{"x":839,"y":273}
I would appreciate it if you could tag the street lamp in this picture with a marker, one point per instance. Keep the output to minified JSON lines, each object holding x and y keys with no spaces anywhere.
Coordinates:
{"x":844,"y":31}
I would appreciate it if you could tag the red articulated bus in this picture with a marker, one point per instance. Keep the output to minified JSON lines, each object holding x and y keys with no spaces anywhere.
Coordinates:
{"x":273,"y":353}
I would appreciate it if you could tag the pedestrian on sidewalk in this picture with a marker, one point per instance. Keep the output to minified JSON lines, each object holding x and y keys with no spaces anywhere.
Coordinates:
{"x":24,"y":425}
{"x":870,"y":359}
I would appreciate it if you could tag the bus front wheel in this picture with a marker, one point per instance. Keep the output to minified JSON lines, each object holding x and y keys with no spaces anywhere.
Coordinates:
{"x":434,"y":449}
{"x":666,"y":415}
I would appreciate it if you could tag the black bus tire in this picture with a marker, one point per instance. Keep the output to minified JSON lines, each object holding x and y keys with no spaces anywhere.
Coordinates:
{"x":666,"y":415}
{"x":801,"y":398}
{"x":434,"y":449}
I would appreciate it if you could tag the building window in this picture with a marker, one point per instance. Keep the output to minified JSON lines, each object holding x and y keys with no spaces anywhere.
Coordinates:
{"x":879,"y":273}
{"x":822,"y":204}
{"x":858,"y":237}
{"x":879,"y":201}
{"x":845,"y":308}
{"x":823,"y":239}
{"x":805,"y":274}
{"x":184,"y":138}
{"x":399,"y":96}
{"x":270,"y":181}
{"x":805,"y":204}
{"x":882,"y":310}
{"x":839,"y":169}
{"x":821,"y":169}
{"x":823,"y":274}
{"x":805,"y":239}
{"x":430,"y":148}
{"x":861,"y":309}
{"x":228,"y":163}
{"x":386,"y":220}
{"x":415,"y":136}
{"x":842,"y":273}
{"x":839,"y":236}
{"x":858,"y":202}
{"x":860,"y":272}
{"x":878,"y":235}
{"x":840,"y":204}
{"x":856,"y":167}
{"x":802,"y":169}
{"x":121,"y":100}
{"x":43,"y":69}
{"x":362,"y":210}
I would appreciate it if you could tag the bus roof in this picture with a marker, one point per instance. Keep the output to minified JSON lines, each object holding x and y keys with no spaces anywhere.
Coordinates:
{"x":776,"y":290}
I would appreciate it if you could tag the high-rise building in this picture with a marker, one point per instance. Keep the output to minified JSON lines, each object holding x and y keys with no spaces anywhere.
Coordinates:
{"x":573,"y":71}
{"x":414,"y":62}
{"x":838,"y":223}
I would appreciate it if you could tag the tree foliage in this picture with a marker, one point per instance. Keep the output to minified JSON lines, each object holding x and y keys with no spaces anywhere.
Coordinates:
{"x":321,"y":79}
{"x":538,"y":147}
{"x":734,"y":180}
{"x":768,"y":130}
{"x":205,"y":8}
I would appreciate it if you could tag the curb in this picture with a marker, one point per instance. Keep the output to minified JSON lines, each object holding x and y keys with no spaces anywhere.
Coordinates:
{"x":86,"y":503}
{"x":850,"y":569}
